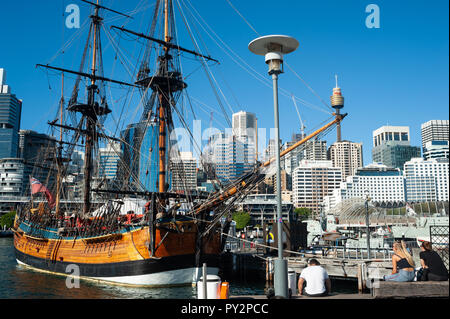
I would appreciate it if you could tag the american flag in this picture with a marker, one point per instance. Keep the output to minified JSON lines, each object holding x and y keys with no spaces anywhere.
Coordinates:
{"x":38,"y":187}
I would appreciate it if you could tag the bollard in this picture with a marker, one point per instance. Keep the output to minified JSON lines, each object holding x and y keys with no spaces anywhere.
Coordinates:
{"x":292,"y":276}
{"x":214,"y":288}
{"x":360,"y":288}
{"x":205,"y":280}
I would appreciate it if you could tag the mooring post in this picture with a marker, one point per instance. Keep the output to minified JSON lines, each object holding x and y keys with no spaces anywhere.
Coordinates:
{"x":364,"y":275}
{"x":205,"y":275}
{"x":360,"y":288}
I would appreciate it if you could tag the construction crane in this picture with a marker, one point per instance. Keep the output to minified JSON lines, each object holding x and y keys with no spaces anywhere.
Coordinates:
{"x":302,"y":126}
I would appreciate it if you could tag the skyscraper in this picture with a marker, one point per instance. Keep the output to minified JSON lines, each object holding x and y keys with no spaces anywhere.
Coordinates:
{"x":109,"y":159}
{"x":232,"y":156}
{"x":184,"y":172}
{"x":38,"y":152}
{"x":391,"y":146}
{"x":10,"y":112}
{"x":434,"y":130}
{"x":346,"y":155}
{"x":435,"y":139}
{"x":140,"y":167}
{"x":244,"y":124}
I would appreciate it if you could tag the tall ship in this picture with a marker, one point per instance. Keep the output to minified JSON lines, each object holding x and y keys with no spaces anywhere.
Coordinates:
{"x":178,"y":231}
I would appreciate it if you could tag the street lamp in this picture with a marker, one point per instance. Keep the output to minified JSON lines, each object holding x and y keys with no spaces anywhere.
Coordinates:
{"x":367,"y":200}
{"x":273,"y":47}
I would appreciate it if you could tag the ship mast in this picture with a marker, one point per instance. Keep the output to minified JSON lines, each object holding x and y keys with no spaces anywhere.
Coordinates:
{"x":163,"y":106}
{"x":91,"y":119}
{"x":92,"y":109}
{"x":166,"y":83}
{"x":59,"y":155}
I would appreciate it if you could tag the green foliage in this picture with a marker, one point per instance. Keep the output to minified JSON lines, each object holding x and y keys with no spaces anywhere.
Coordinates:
{"x":303,"y":213}
{"x":241,"y":218}
{"x":7,"y":220}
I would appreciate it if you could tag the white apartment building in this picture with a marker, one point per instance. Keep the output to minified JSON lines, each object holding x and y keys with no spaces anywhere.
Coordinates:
{"x":312,"y":181}
{"x":427,"y":180}
{"x":382,"y":183}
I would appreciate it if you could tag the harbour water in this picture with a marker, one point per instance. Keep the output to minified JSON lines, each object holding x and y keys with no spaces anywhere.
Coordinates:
{"x":18,"y":282}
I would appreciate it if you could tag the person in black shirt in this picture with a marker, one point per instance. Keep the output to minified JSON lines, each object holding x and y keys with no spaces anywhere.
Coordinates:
{"x":432,"y":264}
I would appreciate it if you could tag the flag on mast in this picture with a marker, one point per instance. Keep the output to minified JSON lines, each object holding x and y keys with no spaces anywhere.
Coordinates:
{"x":38,"y":187}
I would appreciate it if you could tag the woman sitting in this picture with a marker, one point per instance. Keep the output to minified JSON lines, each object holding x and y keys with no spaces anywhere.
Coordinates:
{"x":432,"y":264}
{"x":402,"y":264}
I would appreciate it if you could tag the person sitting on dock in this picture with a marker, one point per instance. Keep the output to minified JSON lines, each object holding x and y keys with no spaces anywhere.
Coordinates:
{"x":432,"y":264}
{"x":402,"y":264}
{"x":318,"y":284}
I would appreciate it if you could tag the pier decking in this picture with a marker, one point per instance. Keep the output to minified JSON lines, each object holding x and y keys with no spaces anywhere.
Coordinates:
{"x":384,"y":290}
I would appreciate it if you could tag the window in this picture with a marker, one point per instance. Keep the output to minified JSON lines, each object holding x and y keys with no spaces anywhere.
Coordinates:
{"x":404,"y":136}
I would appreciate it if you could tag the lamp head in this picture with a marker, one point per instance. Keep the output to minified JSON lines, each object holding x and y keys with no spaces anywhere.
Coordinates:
{"x":273,"y":47}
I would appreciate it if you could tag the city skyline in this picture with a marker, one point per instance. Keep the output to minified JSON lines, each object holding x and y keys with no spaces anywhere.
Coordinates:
{"x":392,"y":62}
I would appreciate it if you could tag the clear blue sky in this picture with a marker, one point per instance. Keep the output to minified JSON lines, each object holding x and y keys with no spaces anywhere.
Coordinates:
{"x":396,"y":75}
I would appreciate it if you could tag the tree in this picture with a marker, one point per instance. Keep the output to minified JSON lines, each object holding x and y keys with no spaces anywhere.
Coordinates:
{"x":241,"y":218}
{"x":7,"y":220}
{"x":303,"y":213}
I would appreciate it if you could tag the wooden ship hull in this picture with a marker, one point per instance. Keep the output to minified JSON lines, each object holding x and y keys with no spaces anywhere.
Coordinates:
{"x":122,"y":257}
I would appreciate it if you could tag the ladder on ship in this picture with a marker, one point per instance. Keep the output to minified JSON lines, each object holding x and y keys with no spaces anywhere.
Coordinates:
{"x":52,"y":250}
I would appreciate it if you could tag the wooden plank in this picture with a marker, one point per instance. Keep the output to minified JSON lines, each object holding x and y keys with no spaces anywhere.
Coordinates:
{"x":415,"y":289}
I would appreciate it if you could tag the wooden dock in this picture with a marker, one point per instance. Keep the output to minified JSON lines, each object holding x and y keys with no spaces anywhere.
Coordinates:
{"x":384,"y":290}
{"x":415,"y":289}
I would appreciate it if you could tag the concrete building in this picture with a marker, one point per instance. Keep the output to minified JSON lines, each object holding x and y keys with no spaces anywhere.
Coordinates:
{"x":10,"y":113}
{"x":286,"y":181}
{"x":11,"y":182}
{"x":312,"y":181}
{"x":435,"y":139}
{"x":434,"y":130}
{"x":427,"y":180}
{"x":109,"y":160}
{"x":313,"y":150}
{"x":383,"y":183}
{"x":263,"y":208}
{"x":269,"y":152}
{"x":11,"y":177}
{"x":346,"y":155}
{"x":38,"y":152}
{"x":184,"y":172}
{"x":231,"y":156}
{"x":244,"y":124}
{"x":391,"y":146}
{"x":140,"y":167}
{"x":436,"y":149}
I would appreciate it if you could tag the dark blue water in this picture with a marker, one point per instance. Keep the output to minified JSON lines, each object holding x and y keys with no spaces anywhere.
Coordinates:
{"x":19,"y":282}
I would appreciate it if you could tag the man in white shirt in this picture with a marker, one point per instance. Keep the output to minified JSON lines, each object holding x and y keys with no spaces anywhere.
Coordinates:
{"x":318,"y":283}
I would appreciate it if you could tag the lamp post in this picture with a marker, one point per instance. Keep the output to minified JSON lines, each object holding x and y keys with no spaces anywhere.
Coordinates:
{"x":366,"y":193}
{"x":273,"y":47}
